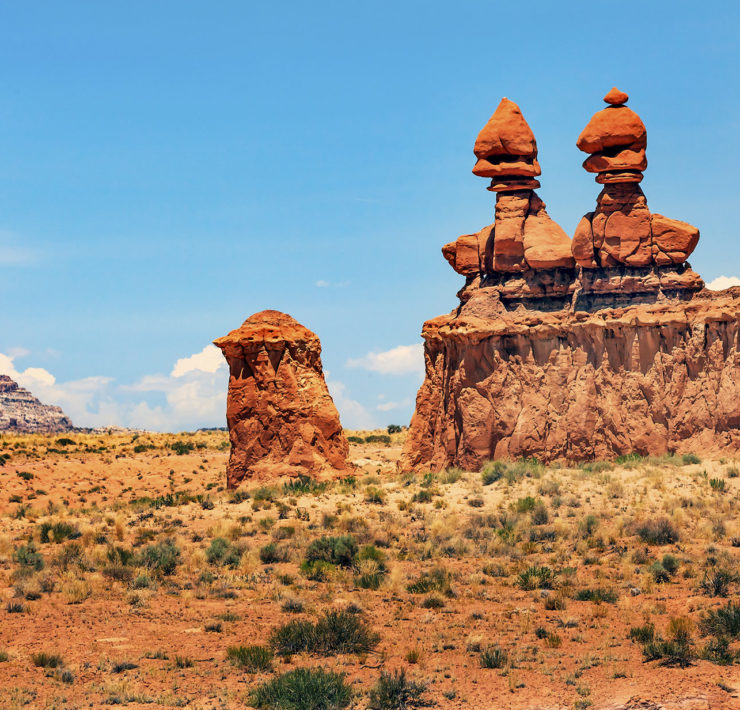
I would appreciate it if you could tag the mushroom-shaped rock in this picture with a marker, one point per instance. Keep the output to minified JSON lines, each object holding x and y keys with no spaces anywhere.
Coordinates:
{"x":281,"y":417}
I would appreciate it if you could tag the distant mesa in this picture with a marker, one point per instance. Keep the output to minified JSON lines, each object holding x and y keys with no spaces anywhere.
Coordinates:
{"x":281,"y":418}
{"x":22,"y":413}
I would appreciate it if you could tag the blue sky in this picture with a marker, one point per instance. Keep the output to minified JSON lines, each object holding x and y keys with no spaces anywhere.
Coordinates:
{"x":169,"y":168}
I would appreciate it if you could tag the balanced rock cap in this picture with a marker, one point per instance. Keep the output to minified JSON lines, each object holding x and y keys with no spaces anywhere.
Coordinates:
{"x":507,"y":150}
{"x":616,"y":97}
{"x":267,"y":328}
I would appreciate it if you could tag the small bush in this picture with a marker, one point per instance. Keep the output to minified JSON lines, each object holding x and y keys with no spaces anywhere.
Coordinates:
{"x":47,"y":660}
{"x":182,"y":447}
{"x":292,"y":606}
{"x":433,"y":602}
{"x":718,"y":651}
{"x":492,"y":471}
{"x":303,"y":689}
{"x":535,"y":577}
{"x":660,"y":531}
{"x":394,"y":692}
{"x":642,"y":634}
{"x":57,"y":532}
{"x":718,"y":484}
{"x":162,"y":557}
{"x":222,"y":552}
{"x":15,"y":608}
{"x":335,"y":632}
{"x":716,"y":582}
{"x":525,"y":505}
{"x":688,"y":459}
{"x":252,"y":659}
{"x":724,"y":621}
{"x":677,"y":650}
{"x":494,"y":657}
{"x":302,"y":485}
{"x":438,"y":580}
{"x":596,"y":594}
{"x":271,"y":553}
{"x":27,"y":557}
{"x":340,"y":551}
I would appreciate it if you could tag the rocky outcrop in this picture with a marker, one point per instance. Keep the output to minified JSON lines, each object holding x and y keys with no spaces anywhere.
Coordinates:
{"x":618,"y":351}
{"x":648,"y":378}
{"x":281,"y":417}
{"x":22,"y":413}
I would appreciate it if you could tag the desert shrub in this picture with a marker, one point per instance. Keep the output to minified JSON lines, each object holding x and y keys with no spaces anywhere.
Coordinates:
{"x":536,"y":577}
{"x":423,"y":496}
{"x":57,"y":532}
{"x":642,"y":634}
{"x":596,"y":594}
{"x":678,"y":650}
{"x":163,"y":557}
{"x":494,"y":657}
{"x":670,"y":563}
{"x":318,"y":571}
{"x":588,"y":526}
{"x":250,"y":658}
{"x":47,"y":660}
{"x":292,"y":606}
{"x":540,"y":515}
{"x":724,"y":621}
{"x":119,"y":573}
{"x":688,"y":459}
{"x":28,"y":558}
{"x":15,"y":608}
{"x":355,"y":440}
{"x":182,"y":447}
{"x":394,"y":692}
{"x":183,"y":662}
{"x":335,"y":632}
{"x":340,"y":551}
{"x":119,"y":555}
{"x":660,"y":531}
{"x":303,"y":689}
{"x":123,"y":666}
{"x":716,"y":582}
{"x":437,"y":580}
{"x":271,"y":553}
{"x":525,"y":505}
{"x":554,"y":603}
{"x":433,"y":602}
{"x":717,"y":650}
{"x":303,"y":484}
{"x":452,"y":474}
{"x":373,"y":494}
{"x":378,"y":439}
{"x":492,"y":471}
{"x":660,"y":573}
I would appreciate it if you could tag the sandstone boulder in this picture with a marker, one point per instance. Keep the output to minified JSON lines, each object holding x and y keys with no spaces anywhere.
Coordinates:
{"x":281,"y":417}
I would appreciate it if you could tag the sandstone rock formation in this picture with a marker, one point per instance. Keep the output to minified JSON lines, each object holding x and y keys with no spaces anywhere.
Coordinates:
{"x":624,"y":353}
{"x":523,"y":236}
{"x":22,"y":413}
{"x":622,"y":230}
{"x":281,"y":417}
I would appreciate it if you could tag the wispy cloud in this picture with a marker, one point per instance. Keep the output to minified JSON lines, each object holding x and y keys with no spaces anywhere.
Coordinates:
{"x":401,"y":360}
{"x":722,"y":282}
{"x":13,"y":252}
{"x":321,"y":283}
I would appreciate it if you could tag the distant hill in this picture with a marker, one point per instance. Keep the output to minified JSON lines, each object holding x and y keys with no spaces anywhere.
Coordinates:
{"x":21,"y":412}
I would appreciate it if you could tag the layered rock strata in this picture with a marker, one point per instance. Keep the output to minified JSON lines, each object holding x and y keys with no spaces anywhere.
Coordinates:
{"x":619,"y":351}
{"x":22,"y":413}
{"x":577,"y":385}
{"x":281,"y":417}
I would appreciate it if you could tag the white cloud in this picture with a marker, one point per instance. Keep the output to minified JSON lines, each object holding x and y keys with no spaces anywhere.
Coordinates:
{"x":401,"y":360}
{"x":321,"y":283}
{"x":209,"y":359}
{"x":722,"y":282}
{"x":388,"y":406}
{"x":192,"y":396}
{"x":352,"y":414}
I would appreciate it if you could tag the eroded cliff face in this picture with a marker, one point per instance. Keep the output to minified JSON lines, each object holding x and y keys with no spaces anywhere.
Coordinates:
{"x":648,"y":378}
{"x":21,"y":412}
{"x":281,"y":417}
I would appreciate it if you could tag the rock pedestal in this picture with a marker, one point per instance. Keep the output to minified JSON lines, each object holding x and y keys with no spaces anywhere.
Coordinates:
{"x":282,"y":420}
{"x":616,"y":351}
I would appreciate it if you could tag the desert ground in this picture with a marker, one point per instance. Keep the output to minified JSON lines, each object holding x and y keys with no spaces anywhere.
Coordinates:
{"x":130,"y":576}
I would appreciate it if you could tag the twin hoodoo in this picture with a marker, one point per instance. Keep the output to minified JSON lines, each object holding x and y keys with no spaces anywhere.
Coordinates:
{"x":593,"y":347}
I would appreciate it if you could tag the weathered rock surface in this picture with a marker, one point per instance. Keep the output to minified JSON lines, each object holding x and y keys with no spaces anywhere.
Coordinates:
{"x":281,"y":417}
{"x":646,"y":378}
{"x":21,"y":412}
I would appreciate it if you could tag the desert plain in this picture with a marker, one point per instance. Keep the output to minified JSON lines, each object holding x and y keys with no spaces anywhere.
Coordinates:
{"x":130,"y":576}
